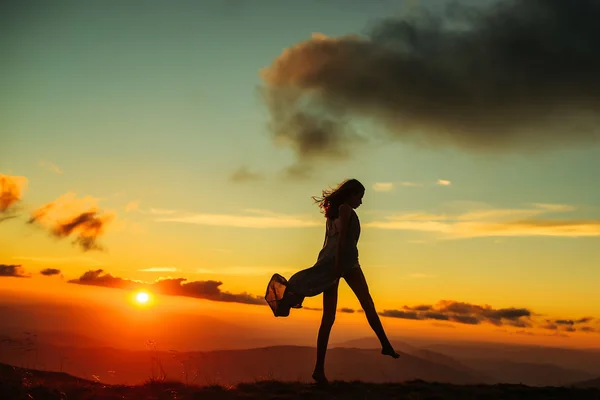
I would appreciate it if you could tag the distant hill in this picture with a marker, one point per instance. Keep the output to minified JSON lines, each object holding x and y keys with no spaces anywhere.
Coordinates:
{"x":533,"y":374}
{"x":17,"y":383}
{"x":431,"y":356}
{"x":591,"y":383}
{"x":504,"y":363}
{"x":288,"y":363}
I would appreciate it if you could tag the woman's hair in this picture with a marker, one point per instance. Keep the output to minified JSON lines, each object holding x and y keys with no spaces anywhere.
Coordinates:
{"x":331,"y":199}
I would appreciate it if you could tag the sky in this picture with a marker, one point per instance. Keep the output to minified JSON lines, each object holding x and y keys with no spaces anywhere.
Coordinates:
{"x":185,"y":140}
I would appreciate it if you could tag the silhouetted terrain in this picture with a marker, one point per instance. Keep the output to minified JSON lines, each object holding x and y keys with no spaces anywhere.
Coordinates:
{"x":286,"y":363}
{"x":592,"y":383}
{"x":17,"y":383}
{"x":232,"y":366}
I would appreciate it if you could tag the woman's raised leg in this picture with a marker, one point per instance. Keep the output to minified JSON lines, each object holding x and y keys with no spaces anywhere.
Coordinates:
{"x":357,"y":282}
{"x":330,"y":297}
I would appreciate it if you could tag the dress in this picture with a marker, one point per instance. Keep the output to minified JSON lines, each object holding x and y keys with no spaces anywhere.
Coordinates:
{"x":282,"y":294}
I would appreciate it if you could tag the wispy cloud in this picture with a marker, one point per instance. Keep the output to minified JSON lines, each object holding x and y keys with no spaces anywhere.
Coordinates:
{"x":261,"y":219}
{"x":159,"y":269}
{"x":83,"y":261}
{"x":132,"y":206}
{"x":162,"y":211}
{"x":443,"y":182}
{"x":494,"y":222}
{"x":51,"y":167}
{"x":417,"y":241}
{"x":419,"y":275}
{"x":245,"y":174}
{"x":390,"y":186}
{"x":383,"y":186}
{"x":244,"y":270}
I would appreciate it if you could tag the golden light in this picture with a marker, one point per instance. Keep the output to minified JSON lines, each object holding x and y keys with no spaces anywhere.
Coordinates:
{"x":142,"y":297}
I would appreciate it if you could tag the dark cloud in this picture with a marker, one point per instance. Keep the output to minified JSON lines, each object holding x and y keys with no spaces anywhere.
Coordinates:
{"x":50,"y":272}
{"x":473,"y":314}
{"x":65,"y":217}
{"x":209,"y":290}
{"x":464,"y":313}
{"x":515,"y":75}
{"x":549,"y":326}
{"x":15,"y":271}
{"x":244,"y":174}
{"x":421,"y":308}
{"x":569,"y":325}
{"x":400,"y":314}
{"x":465,"y":319}
{"x":573,"y":322}
{"x":436,"y":315}
{"x":347,"y":310}
{"x":520,"y":324}
{"x":11,"y":191}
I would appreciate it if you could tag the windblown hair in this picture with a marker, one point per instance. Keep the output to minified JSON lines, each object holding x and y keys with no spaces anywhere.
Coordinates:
{"x":331,"y":199}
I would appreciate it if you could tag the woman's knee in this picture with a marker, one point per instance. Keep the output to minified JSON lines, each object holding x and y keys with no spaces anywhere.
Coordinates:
{"x":328,"y":320}
{"x":366,"y":302}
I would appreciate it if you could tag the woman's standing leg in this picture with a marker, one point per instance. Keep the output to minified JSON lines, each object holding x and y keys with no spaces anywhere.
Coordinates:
{"x":330,"y":297}
{"x":357,"y":282}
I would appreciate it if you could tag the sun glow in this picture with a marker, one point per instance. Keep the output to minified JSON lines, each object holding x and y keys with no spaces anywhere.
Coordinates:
{"x":142,"y":298}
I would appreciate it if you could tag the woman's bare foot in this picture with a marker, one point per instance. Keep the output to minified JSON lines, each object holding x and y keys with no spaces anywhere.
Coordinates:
{"x":390,"y":352}
{"x":320,"y":378}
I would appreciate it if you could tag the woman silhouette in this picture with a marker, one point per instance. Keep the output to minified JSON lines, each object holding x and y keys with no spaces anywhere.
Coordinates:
{"x":337,"y":259}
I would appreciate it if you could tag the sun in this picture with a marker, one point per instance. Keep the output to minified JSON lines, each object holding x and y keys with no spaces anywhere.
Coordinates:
{"x":142,"y":297}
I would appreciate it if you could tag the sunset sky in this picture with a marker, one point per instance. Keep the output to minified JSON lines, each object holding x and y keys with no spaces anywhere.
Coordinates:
{"x":156,"y":120}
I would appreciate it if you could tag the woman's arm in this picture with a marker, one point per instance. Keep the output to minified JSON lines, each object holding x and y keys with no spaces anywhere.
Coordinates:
{"x":344,"y":215}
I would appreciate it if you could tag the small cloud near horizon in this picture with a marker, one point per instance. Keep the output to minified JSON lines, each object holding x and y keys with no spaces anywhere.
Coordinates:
{"x":13,"y":271}
{"x":443,"y":182}
{"x":50,"y":272}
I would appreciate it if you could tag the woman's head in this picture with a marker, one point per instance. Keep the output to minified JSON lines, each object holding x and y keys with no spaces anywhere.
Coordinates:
{"x":350,"y":191}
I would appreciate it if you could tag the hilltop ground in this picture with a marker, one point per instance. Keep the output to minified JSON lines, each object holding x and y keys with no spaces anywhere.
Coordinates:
{"x":18,"y":383}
